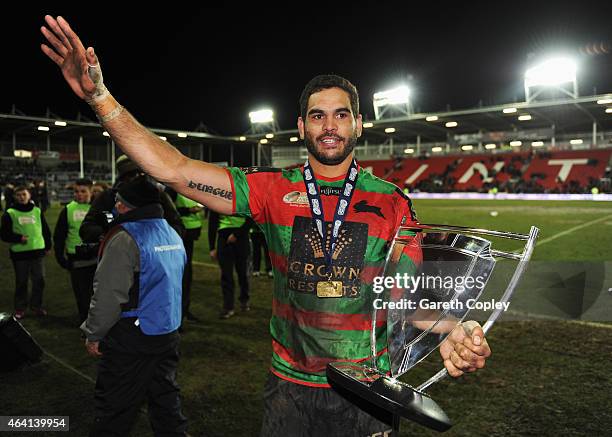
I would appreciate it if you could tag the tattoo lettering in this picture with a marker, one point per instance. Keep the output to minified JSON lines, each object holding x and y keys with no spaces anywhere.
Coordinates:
{"x":211,"y":190}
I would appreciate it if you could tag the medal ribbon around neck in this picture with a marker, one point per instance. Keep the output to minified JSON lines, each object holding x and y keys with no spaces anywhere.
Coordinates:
{"x":316,"y":207}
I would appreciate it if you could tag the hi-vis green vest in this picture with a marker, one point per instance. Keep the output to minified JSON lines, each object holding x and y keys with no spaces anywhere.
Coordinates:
{"x":75,"y":213}
{"x":230,"y":221}
{"x":190,"y":221}
{"x":30,"y":224}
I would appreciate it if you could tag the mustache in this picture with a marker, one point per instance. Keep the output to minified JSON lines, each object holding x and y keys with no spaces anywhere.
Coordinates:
{"x":334,"y":136}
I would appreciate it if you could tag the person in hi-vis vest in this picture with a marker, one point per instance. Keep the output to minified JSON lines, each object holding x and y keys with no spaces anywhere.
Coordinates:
{"x":232,"y":250}
{"x":25,"y":228}
{"x":191,"y":217}
{"x":69,"y":250}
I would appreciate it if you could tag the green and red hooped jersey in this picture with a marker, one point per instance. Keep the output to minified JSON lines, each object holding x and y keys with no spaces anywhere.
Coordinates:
{"x":307,"y":331}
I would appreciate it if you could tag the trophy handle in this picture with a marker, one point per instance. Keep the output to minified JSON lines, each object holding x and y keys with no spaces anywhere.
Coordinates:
{"x":520,"y":269}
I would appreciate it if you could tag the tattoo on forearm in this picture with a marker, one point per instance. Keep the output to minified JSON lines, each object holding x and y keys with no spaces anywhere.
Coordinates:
{"x":215,"y":191}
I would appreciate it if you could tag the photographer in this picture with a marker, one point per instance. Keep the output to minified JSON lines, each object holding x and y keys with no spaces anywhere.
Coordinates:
{"x":134,"y":317}
{"x":71,"y":254}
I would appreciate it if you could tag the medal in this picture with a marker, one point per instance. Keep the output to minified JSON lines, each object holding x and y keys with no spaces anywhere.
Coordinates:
{"x":329,"y":288}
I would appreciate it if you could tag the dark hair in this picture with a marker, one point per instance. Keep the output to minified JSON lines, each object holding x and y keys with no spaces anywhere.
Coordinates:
{"x":326,"y":81}
{"x":83,"y":181}
{"x":21,"y":188}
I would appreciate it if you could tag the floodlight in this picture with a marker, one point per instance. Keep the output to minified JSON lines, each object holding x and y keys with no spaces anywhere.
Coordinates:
{"x":269,"y":136}
{"x":436,"y":149}
{"x":242,"y":138}
{"x":163,"y":137}
{"x":20,"y":153}
{"x":537,"y":143}
{"x":551,"y":72}
{"x":394,"y":100}
{"x":604,"y":101}
{"x":389,"y":130}
{"x":60,"y":123}
{"x":576,"y":141}
{"x":182,"y":135}
{"x":509,"y":110}
{"x":262,"y":116}
{"x":490,"y":146}
{"x":451,"y":124}
{"x":516,"y":143}
{"x":408,"y":150}
{"x":395,"y":96}
{"x":263,"y":141}
{"x":467,"y":147}
{"x":293,"y":139}
{"x":431,"y":118}
{"x":368,"y":124}
{"x":43,"y":128}
{"x":525,"y":117}
{"x":105,"y":134}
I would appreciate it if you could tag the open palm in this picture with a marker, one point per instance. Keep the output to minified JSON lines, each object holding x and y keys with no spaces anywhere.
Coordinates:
{"x":70,"y":55}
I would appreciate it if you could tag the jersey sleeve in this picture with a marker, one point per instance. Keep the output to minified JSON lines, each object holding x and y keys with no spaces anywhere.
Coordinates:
{"x":411,"y":252}
{"x":251,"y":188}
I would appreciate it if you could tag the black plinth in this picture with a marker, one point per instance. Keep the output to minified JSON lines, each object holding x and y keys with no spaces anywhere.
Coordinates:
{"x":388,"y":393}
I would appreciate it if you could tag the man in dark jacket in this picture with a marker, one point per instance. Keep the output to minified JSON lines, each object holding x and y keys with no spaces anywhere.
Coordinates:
{"x":134,"y":316}
{"x":25,"y":228}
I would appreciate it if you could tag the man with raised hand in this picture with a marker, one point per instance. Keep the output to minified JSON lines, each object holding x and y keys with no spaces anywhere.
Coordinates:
{"x":323,"y":248}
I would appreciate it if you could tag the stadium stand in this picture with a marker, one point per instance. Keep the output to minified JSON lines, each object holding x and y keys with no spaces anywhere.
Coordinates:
{"x":575,"y":171}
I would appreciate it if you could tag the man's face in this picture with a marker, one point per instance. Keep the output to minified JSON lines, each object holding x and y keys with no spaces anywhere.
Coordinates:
{"x":120,"y":207}
{"x":330,"y":130}
{"x":22,"y":197}
{"x":82,"y":193}
{"x":96,"y":190}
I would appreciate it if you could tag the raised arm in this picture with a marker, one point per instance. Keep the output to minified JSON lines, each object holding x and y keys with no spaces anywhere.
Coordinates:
{"x":201,"y":181}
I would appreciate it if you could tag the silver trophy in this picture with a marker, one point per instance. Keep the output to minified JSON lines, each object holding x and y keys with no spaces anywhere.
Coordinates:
{"x":414,"y":330}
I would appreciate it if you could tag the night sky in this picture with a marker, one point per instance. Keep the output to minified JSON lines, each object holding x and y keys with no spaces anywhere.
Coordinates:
{"x":175,"y":67}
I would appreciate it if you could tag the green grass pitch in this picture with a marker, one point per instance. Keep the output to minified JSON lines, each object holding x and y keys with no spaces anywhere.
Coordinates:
{"x":546,"y":377}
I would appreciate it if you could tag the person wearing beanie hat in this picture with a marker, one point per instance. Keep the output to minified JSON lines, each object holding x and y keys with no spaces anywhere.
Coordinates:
{"x":138,"y":192}
{"x":95,"y":224}
{"x":135,"y":313}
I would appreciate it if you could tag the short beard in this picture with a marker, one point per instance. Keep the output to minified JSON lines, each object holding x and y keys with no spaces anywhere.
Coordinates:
{"x":334,"y":160}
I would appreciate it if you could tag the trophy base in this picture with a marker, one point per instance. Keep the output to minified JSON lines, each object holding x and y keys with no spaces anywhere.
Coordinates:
{"x":388,"y":393}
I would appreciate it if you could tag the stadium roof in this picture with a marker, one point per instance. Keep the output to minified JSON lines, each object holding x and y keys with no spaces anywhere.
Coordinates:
{"x":566,"y":115}
{"x":25,"y":129}
{"x":481,"y":124}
